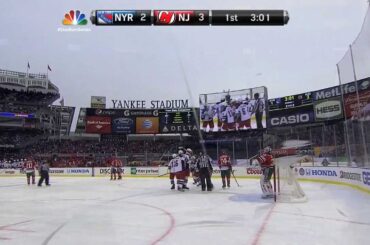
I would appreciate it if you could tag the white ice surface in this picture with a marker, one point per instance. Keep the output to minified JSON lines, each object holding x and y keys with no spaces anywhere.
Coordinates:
{"x":145,"y":211}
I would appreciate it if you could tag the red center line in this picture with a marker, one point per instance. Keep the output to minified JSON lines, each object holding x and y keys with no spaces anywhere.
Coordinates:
{"x":6,"y":226}
{"x":262,"y":229}
{"x":169,"y":229}
{"x":20,"y":230}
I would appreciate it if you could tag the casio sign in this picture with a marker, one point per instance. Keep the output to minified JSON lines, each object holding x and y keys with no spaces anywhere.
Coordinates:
{"x":328,"y":109}
{"x":293,"y":119}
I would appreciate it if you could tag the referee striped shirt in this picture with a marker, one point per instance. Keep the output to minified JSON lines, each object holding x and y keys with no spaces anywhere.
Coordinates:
{"x":204,"y":162}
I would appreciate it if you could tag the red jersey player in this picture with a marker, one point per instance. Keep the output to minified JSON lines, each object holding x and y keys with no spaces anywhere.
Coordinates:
{"x":224,"y":163}
{"x":116,"y":165}
{"x":267,"y":166}
{"x":30,"y":168}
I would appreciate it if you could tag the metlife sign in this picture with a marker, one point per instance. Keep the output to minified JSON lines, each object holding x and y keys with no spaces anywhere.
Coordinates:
{"x":328,"y":109}
{"x":347,"y":88}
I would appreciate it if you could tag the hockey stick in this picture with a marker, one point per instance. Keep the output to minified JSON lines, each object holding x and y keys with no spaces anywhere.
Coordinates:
{"x":163,"y":174}
{"x":235,"y":179}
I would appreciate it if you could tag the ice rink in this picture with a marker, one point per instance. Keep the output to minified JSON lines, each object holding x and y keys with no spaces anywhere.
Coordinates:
{"x":145,"y":211}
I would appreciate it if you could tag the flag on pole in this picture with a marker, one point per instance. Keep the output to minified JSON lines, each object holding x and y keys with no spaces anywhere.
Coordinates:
{"x":62,"y":102}
{"x":49,"y":68}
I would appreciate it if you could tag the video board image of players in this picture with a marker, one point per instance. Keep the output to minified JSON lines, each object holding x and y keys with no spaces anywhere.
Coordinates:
{"x":233,"y":110}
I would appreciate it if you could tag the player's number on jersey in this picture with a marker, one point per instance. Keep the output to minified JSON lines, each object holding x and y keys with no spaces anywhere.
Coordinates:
{"x":201,"y":17}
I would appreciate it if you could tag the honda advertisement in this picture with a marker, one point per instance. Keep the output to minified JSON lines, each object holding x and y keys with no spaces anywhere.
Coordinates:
{"x":328,"y":109}
{"x":177,"y":120}
{"x":98,"y":125}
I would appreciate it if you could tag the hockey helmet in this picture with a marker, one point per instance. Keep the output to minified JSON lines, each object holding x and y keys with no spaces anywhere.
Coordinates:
{"x":267,"y":149}
{"x":174,"y":155}
{"x":189,"y":151}
{"x":181,"y":152}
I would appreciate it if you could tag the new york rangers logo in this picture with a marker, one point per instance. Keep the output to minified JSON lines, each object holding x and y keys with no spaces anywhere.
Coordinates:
{"x":166,"y":17}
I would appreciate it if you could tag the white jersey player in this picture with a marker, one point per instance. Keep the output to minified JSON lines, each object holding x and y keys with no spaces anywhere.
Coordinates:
{"x":245,"y":111}
{"x":219,"y":107}
{"x":229,"y":117}
{"x":207,"y":114}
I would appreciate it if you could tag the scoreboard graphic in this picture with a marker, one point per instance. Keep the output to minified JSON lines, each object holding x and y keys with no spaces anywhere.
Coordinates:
{"x":189,"y":17}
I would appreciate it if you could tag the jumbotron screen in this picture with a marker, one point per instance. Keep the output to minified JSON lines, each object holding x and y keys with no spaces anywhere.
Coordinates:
{"x":236,"y":110}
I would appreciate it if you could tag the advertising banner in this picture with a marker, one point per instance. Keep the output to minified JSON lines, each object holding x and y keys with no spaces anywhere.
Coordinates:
{"x":348,"y":88}
{"x":98,"y":125}
{"x":147,"y":125}
{"x":233,"y":110}
{"x":98,"y":102}
{"x":177,"y":121}
{"x":329,"y":109}
{"x":357,"y":111}
{"x":288,"y":117}
{"x":123,"y":125}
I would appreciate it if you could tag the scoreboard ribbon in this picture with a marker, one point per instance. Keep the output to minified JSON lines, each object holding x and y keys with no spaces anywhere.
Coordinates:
{"x":189,"y":17}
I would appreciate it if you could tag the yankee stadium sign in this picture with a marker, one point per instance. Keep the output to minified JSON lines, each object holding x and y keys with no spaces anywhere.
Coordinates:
{"x":153,"y":104}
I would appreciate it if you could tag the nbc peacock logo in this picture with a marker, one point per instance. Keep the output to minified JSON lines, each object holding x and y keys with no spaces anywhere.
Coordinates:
{"x":74,"y":18}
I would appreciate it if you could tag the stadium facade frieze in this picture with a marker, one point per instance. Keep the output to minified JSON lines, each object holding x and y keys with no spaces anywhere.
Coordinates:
{"x":152,"y":104}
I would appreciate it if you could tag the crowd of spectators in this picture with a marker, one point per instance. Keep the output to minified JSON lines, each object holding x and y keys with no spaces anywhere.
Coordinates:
{"x":84,"y":153}
{"x":26,"y":96}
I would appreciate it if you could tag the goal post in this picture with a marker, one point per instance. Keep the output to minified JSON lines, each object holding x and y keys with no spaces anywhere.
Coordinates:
{"x":286,"y":186}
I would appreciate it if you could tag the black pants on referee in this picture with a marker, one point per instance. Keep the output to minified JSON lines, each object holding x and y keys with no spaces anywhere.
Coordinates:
{"x":44,"y":176}
{"x":259,"y":120}
{"x":205,"y":179}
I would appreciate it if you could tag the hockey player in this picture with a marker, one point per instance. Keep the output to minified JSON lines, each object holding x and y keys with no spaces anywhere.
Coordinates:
{"x":224,"y":163}
{"x":207,"y":114}
{"x":204,"y":164}
{"x":113,"y":169}
{"x":245,"y":111}
{"x":267,"y":167}
{"x":189,"y":159}
{"x":178,"y":166}
{"x":193,"y":168}
{"x":171,"y":169}
{"x":229,"y":118}
{"x":117,"y":164}
{"x":30,"y":169}
{"x":219,"y":107}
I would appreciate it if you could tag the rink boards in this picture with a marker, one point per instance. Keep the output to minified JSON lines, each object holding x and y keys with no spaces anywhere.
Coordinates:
{"x":358,"y":178}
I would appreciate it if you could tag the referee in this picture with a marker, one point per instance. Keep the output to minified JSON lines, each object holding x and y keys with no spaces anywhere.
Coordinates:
{"x":205,"y":169}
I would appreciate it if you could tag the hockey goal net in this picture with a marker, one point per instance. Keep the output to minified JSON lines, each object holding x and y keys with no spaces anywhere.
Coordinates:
{"x":287,"y":188}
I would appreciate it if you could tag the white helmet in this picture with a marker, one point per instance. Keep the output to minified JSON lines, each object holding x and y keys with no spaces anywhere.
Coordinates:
{"x":189,"y":151}
{"x":181,"y":152}
{"x":267,"y":149}
{"x":174,"y":155}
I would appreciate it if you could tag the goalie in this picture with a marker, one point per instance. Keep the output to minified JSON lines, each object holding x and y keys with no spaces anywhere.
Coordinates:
{"x":267,"y":167}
